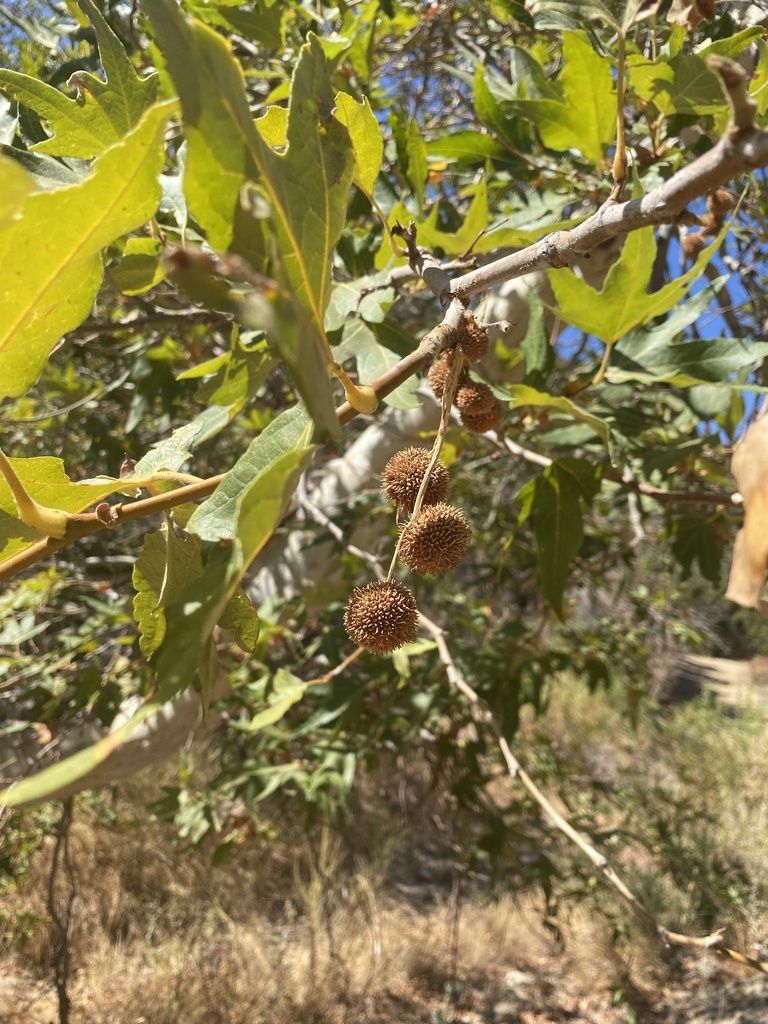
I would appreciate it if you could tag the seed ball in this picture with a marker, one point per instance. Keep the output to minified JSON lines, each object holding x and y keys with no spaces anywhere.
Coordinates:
{"x":692,"y":245}
{"x":479,"y":423}
{"x":435,"y":540}
{"x":475,"y":398}
{"x":472,"y":337}
{"x":403,"y":474}
{"x":381,"y":616}
{"x":439,"y":371}
{"x":720,"y":202}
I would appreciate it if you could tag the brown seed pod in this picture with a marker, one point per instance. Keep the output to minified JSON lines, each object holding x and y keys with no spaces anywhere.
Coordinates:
{"x":475,"y":398}
{"x":403,"y":474}
{"x":381,"y":616}
{"x":472,"y":337}
{"x":439,"y":371}
{"x":692,"y":245}
{"x":435,"y":540}
{"x":478,"y":423}
{"x":720,"y":202}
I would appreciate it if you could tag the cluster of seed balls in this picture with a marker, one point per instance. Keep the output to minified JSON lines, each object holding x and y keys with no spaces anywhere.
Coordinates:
{"x":383,"y":616}
{"x":478,"y":407}
{"x":719,"y":203}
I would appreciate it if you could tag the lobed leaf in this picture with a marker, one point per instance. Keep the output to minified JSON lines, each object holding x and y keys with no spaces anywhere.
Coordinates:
{"x":103,"y":113}
{"x":305,"y":188}
{"x":50,"y":285}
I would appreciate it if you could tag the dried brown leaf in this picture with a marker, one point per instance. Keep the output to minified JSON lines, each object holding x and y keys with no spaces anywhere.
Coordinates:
{"x":689,"y":13}
{"x":750,"y":552}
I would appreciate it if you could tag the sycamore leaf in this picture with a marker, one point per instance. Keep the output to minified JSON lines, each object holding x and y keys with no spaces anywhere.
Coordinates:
{"x":49,"y":286}
{"x":299,"y":195}
{"x":45,"y":480}
{"x":291,"y":431}
{"x":680,"y":85}
{"x":140,"y":268}
{"x":287,"y":689}
{"x":686,"y":363}
{"x":750,"y":552}
{"x":468,"y":147}
{"x":624,"y":301}
{"x":365,"y":136}
{"x":585,"y":119}
{"x":522,"y":395}
{"x":373,"y":360}
{"x":38,"y":787}
{"x":557,"y":517}
{"x":15,"y":185}
{"x":104,"y":111}
{"x":458,"y":242}
{"x":571,"y":14}
{"x":166,"y":565}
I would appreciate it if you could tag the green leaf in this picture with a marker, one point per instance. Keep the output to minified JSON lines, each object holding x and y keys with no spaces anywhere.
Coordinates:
{"x":373,"y":360}
{"x":240,"y":376}
{"x":288,"y":689}
{"x":45,"y":480}
{"x":103,"y":113}
{"x":685,"y":363}
{"x":365,"y":136}
{"x":557,"y":517}
{"x":38,"y":787}
{"x":468,"y":147}
{"x":242,"y":618}
{"x":624,"y":301}
{"x":417,"y":161}
{"x":166,"y":565}
{"x":50,"y":288}
{"x":522,"y":395}
{"x":16,"y":186}
{"x":140,"y":267}
{"x":289,"y":433}
{"x":46,"y":171}
{"x":459,"y":242}
{"x":305,"y":189}
{"x":538,"y":353}
{"x":682,"y":85}
{"x":585,"y":119}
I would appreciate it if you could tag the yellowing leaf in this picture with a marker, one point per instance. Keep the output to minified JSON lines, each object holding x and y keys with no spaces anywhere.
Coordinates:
{"x":45,"y":480}
{"x":365,"y":136}
{"x":103,"y":112}
{"x":299,"y":197}
{"x":586,"y":117}
{"x":750,"y":553}
{"x":49,"y":286}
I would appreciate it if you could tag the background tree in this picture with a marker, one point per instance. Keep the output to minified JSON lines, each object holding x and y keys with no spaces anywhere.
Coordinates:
{"x":209,"y":213}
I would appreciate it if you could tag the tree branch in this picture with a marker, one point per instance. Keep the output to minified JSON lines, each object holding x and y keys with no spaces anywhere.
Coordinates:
{"x":742,"y":148}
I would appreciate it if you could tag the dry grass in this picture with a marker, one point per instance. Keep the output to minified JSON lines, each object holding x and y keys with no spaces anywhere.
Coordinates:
{"x":159,"y":936}
{"x":316,"y":930}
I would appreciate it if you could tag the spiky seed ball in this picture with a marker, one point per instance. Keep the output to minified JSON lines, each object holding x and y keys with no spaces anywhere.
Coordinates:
{"x":403,"y":474}
{"x":472,"y":337}
{"x":478,"y":423}
{"x":720,"y":202}
{"x":475,"y":398}
{"x":435,"y":540}
{"x":381,"y":616}
{"x":439,"y":371}
{"x":693,"y":245}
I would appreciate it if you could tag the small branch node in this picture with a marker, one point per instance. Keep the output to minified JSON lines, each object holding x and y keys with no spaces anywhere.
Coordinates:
{"x":735,"y":85}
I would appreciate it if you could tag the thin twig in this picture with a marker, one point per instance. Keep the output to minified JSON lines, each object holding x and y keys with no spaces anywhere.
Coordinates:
{"x":714,"y":942}
{"x":62,"y":921}
{"x":742,"y":148}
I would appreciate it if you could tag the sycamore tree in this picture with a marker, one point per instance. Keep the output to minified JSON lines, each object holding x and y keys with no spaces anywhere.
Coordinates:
{"x":507,"y":255}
